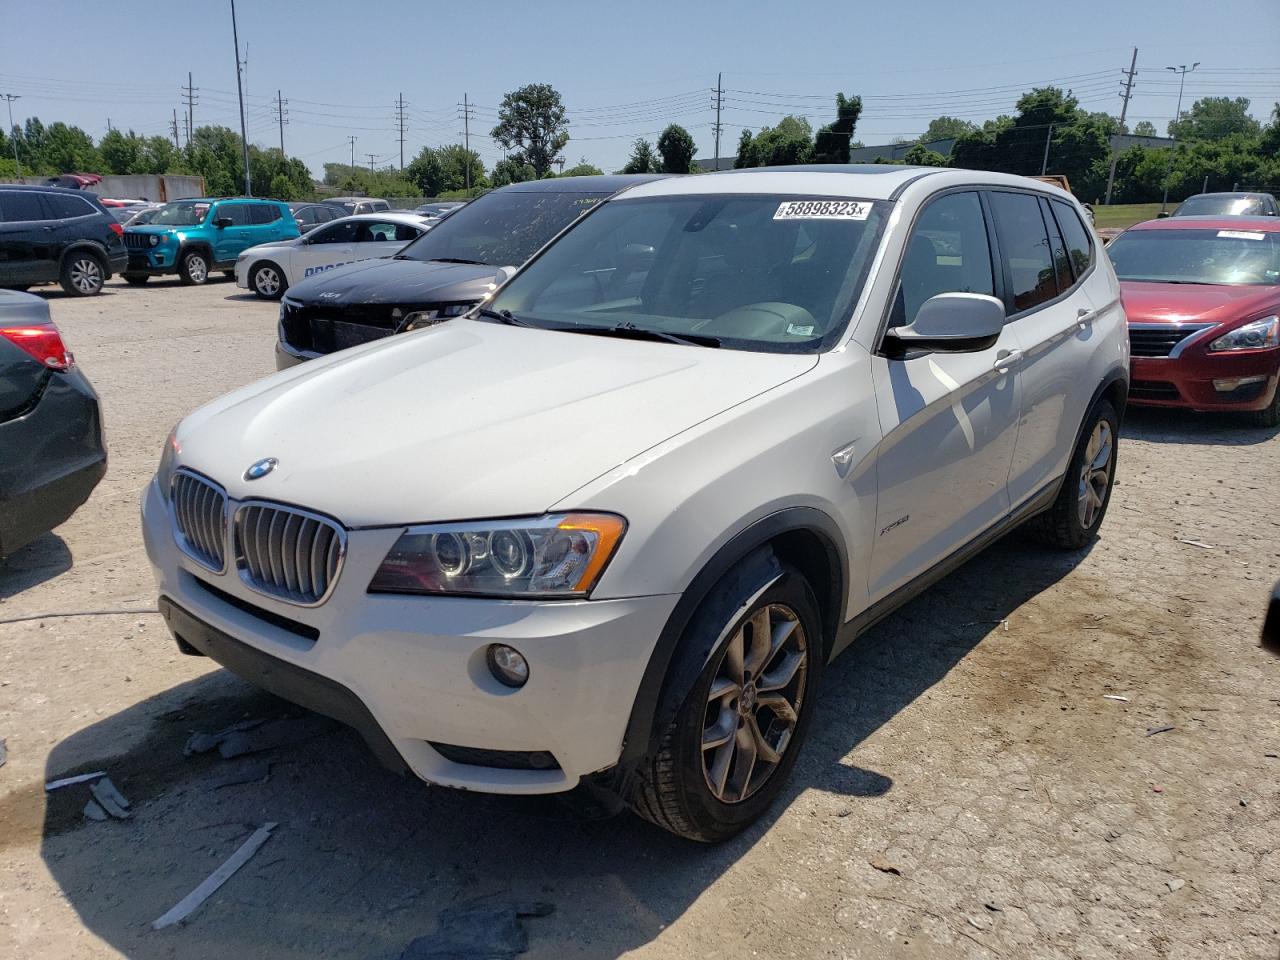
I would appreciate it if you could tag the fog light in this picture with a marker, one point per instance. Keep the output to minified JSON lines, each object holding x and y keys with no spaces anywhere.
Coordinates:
{"x":1228,"y":384}
{"x":507,"y":665}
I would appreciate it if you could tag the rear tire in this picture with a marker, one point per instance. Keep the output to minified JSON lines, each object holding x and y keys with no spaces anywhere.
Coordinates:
{"x":1077,"y":513}
{"x":742,"y":686}
{"x":83,"y":274}
{"x":193,"y":267}
{"x":135,"y":279}
{"x":267,"y":281}
{"x":1268,"y":416}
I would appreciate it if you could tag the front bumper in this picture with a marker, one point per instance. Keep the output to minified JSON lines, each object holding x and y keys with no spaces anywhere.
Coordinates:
{"x":416,"y":665}
{"x":242,"y":273}
{"x":287,"y":356}
{"x":1187,"y":381}
{"x":158,"y":260}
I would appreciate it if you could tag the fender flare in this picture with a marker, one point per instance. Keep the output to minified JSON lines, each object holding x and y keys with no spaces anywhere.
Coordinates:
{"x":93,"y":247}
{"x":644,"y":720}
{"x":188,"y":246}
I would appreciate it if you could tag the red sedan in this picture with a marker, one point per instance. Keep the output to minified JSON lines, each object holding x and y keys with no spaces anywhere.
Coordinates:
{"x":1203,"y":299}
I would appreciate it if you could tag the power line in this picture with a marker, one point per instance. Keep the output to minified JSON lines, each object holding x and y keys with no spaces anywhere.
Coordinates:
{"x":282,"y":117}
{"x":468,"y":114}
{"x":400,"y":125}
{"x":189,"y":95}
{"x":717,"y":126}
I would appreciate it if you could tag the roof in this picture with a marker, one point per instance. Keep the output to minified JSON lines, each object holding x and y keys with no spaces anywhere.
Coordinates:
{"x":605,"y":183}
{"x":1251,"y":224}
{"x":870,"y":181}
{"x":382,"y":216}
{"x":72,"y":191}
{"x":1243,"y":194}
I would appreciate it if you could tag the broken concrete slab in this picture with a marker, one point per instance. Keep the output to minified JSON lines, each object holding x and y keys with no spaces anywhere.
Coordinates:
{"x":255,"y":771}
{"x":92,"y":811}
{"x":69,"y":781}
{"x":204,"y":742}
{"x":192,"y":901}
{"x":254,"y":736}
{"x":110,"y":799}
{"x":485,"y":929}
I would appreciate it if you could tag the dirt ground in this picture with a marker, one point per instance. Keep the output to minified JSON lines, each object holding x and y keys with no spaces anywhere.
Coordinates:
{"x":967,"y":743}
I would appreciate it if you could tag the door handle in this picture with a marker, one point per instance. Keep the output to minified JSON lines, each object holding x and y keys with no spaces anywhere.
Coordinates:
{"x":1085,"y":318}
{"x":1006,"y":359}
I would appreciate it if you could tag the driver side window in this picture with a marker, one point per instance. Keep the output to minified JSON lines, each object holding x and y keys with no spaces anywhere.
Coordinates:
{"x":338,"y":233}
{"x":947,"y":252}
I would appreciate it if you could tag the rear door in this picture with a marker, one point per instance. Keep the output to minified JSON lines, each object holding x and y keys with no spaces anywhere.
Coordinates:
{"x":1048,"y":280}
{"x":230,"y":240}
{"x":28,"y":244}
{"x":949,"y":420}
{"x":324,"y":249}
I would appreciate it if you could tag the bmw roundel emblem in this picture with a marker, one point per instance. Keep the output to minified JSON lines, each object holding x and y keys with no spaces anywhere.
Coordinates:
{"x":260,"y":469}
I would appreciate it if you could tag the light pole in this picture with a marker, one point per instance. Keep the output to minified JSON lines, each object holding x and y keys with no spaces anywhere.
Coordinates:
{"x":17,"y":166}
{"x":244,"y":136}
{"x":1182,"y":72}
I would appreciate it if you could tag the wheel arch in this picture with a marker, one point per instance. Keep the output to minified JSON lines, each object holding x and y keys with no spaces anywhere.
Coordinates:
{"x":803,"y":537}
{"x":76,"y":246}
{"x":197,"y":246}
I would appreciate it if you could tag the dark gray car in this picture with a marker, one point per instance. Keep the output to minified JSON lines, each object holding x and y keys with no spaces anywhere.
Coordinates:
{"x":1228,"y":205}
{"x":442,"y":274}
{"x":52,"y":453}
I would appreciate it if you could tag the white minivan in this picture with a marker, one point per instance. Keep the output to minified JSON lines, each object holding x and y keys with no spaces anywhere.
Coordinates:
{"x":604,"y":531}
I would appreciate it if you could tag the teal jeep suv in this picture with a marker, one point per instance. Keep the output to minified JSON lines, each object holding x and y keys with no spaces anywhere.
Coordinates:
{"x":192,"y":237}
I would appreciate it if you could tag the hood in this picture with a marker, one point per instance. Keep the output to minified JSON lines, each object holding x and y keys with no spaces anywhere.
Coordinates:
{"x":1195,"y":302}
{"x":146,"y":228}
{"x":466,"y":420}
{"x":389,"y":281}
{"x":259,"y":248}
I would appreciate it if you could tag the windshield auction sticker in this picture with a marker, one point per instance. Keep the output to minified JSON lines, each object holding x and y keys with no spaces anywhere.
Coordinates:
{"x":1240,"y":235}
{"x":822,"y":210}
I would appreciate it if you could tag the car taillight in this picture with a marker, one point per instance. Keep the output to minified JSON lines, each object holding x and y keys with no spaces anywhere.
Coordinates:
{"x":43,"y":342}
{"x":117,"y":229}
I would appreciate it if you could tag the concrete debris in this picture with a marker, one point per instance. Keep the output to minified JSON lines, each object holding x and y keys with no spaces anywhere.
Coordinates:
{"x":192,"y":901}
{"x":994,"y":907}
{"x":255,"y":771}
{"x":483,"y":929}
{"x":69,"y":781}
{"x":4,"y":752}
{"x":1113,"y":696}
{"x":1175,"y":885}
{"x":1196,"y":543}
{"x":1152,"y":731}
{"x":253,"y":736}
{"x":881,"y":863}
{"x":110,"y":799}
{"x":204,"y":742}
{"x":1112,"y":836}
{"x":93,"y":811}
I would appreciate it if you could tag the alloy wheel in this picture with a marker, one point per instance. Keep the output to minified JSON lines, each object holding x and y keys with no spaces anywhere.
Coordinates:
{"x":197,"y":269}
{"x":754,"y":702}
{"x":1095,"y":474}
{"x":266,"y":281}
{"x":86,"y":275}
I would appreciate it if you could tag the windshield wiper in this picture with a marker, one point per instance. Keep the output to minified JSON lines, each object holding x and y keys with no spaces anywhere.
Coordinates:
{"x":630,"y":331}
{"x":474,"y":263}
{"x":503,"y":316}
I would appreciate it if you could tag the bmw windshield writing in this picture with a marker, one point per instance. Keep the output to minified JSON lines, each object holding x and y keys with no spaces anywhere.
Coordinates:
{"x":501,"y":229}
{"x":181,"y":214}
{"x":760,"y":272}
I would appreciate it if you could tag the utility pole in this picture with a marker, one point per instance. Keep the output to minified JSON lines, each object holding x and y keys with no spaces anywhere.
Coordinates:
{"x":244,"y":135}
{"x":1044,"y":161}
{"x":1124,"y":109}
{"x":174,"y":127}
{"x":467,"y":113}
{"x":189,"y":94}
{"x":282,"y":117}
{"x":400,"y":125}
{"x":717,"y":127}
{"x":1182,"y":72}
{"x":12,"y":97}
{"x":370,"y":156}
{"x":352,"y":141}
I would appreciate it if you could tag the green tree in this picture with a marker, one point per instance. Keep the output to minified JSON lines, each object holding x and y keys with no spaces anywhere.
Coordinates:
{"x":642,"y":159}
{"x":511,"y":170}
{"x":677,"y":149}
{"x":533,"y":122}
{"x":1144,"y":128}
{"x":119,"y":152}
{"x":425,"y":171}
{"x":69,"y":150}
{"x":832,"y":142}
{"x":1213,"y":118}
{"x":787,"y":144}
{"x":746,"y":156}
{"x":947,"y":128}
{"x":921,"y":156}
{"x":583,"y":169}
{"x":454,"y":161}
{"x":1269,"y":142}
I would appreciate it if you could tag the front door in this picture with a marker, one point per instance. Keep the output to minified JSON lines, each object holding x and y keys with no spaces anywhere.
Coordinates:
{"x":326,"y":248}
{"x":230,"y":240}
{"x":949,"y":420}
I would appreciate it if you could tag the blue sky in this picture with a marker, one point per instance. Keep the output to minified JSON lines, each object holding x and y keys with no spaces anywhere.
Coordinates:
{"x":623,"y":73}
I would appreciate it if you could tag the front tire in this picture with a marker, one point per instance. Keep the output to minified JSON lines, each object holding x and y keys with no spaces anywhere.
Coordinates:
{"x":1268,"y":416}
{"x":743,"y":684}
{"x":268,"y":281}
{"x":193,"y":268}
{"x":1077,"y":513}
{"x":82,"y":274}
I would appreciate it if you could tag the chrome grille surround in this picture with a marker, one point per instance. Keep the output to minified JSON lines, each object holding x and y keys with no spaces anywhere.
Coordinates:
{"x":198,"y":509}
{"x":288,"y":553}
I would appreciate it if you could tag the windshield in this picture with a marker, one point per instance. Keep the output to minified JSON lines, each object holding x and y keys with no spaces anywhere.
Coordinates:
{"x":1197,"y":256}
{"x":181,"y":213}
{"x":759,"y":272}
{"x":1228,"y":206}
{"x":503,"y":228}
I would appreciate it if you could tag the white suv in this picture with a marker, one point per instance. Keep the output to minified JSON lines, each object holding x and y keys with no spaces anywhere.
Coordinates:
{"x":606,"y":530}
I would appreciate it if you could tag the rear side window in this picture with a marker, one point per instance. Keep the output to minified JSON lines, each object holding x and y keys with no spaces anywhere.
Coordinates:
{"x":1024,"y":247}
{"x":263,"y":213}
{"x":1079,"y":245}
{"x":237,"y":213}
{"x":21,"y":205}
{"x":337,"y":233}
{"x":948,"y":253}
{"x":1061,"y":264}
{"x":65,"y":206}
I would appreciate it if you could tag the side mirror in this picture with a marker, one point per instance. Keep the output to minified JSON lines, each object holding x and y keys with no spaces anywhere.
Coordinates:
{"x":222,"y":222}
{"x":1162,"y":214}
{"x":952,"y":323}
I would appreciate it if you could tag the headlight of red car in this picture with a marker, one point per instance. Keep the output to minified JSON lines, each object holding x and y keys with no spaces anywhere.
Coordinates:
{"x":1257,"y":335}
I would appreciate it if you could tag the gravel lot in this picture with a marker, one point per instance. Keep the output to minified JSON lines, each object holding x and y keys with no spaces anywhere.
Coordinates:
{"x":966,"y":743}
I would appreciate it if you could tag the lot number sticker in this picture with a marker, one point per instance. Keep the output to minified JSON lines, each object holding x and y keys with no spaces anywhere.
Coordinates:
{"x":822,"y":210}
{"x":1241,"y":235}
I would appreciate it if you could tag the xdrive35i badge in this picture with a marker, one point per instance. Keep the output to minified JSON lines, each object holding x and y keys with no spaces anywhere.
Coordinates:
{"x":260,"y":469}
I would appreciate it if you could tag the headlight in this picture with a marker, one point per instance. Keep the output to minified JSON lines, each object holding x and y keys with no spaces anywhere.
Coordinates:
{"x":155,"y":239}
{"x":417,"y":319}
{"x":1257,"y":335}
{"x":561,"y":555}
{"x":168,"y":456}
